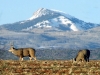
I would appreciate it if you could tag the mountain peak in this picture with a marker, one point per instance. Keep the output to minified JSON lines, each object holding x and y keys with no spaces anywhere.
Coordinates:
{"x":41,"y":12}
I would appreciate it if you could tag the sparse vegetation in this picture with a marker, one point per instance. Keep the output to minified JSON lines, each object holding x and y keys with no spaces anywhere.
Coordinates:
{"x":48,"y":67}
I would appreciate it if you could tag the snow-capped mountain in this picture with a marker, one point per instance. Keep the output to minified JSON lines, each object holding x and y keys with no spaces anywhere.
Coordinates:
{"x":51,"y":30}
{"x":52,"y":19}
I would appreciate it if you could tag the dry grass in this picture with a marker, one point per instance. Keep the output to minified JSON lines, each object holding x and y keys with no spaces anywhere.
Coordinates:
{"x":48,"y":67}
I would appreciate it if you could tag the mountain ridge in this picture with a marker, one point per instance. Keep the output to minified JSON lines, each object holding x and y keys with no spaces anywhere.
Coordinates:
{"x":46,"y":18}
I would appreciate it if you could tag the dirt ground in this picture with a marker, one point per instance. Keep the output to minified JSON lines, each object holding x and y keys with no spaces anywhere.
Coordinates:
{"x":49,"y":67}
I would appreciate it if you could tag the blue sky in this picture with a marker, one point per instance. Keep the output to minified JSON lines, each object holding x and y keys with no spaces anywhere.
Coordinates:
{"x":17,"y":10}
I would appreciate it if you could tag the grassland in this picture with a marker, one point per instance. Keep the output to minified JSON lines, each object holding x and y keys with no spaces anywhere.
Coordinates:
{"x":48,"y":67}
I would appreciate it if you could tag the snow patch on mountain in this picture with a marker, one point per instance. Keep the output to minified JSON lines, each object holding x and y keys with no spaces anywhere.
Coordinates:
{"x":56,"y":22}
{"x":62,"y":13}
{"x":43,"y":24}
{"x":64,"y":21}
